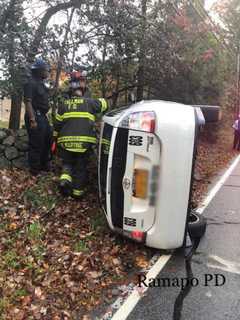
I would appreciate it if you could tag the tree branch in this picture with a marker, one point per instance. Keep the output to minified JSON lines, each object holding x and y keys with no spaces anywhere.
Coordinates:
{"x":40,"y":32}
{"x":121,"y":90}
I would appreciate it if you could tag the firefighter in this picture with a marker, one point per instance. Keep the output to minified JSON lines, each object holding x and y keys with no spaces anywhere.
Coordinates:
{"x":36,"y":98}
{"x":75,"y":131}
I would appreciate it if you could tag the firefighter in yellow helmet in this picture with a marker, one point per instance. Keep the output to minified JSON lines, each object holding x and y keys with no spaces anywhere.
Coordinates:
{"x":74,"y":128}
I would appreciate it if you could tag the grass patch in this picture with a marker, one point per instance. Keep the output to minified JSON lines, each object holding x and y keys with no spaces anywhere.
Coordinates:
{"x":74,"y":234}
{"x":35,"y":231}
{"x":98,"y":222}
{"x":38,"y":252}
{"x":4,"y":304}
{"x":20,"y":293}
{"x":90,"y":237}
{"x":3,"y":226}
{"x":39,"y":199}
{"x":42,"y":195}
{"x":12,"y":260}
{"x":29,"y":265}
{"x":9,"y":242}
{"x":80,"y":246}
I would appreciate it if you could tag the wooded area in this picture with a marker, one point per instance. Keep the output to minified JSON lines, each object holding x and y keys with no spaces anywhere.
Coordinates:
{"x":170,"y":50}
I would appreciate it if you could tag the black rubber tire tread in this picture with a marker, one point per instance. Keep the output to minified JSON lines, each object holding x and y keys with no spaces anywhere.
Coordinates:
{"x":196,"y":225}
{"x":210,"y":113}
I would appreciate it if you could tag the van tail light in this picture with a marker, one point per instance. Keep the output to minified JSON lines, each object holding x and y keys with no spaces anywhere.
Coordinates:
{"x":143,"y":121}
{"x":137,"y":235}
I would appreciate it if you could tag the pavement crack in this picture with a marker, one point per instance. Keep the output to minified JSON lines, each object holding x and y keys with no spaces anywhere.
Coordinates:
{"x":177,"y":312}
{"x":216,"y":223}
{"x":231,"y":185}
{"x":222,"y":223}
{"x":231,"y":222}
{"x":197,"y":253}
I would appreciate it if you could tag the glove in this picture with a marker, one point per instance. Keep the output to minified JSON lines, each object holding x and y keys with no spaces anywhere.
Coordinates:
{"x":54,"y":142}
{"x":54,"y":147}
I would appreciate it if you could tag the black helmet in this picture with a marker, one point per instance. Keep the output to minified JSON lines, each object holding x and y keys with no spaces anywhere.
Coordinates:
{"x":40,"y":64}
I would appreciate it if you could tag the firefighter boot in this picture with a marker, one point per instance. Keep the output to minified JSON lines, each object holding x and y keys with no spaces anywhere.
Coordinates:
{"x":65,"y":187}
{"x":78,"y":194}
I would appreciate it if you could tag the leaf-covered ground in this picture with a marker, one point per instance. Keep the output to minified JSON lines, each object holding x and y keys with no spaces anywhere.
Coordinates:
{"x":213,"y":155}
{"x":58,"y":257}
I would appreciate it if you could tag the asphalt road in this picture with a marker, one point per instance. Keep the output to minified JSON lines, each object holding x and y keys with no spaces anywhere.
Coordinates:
{"x":217,"y":258}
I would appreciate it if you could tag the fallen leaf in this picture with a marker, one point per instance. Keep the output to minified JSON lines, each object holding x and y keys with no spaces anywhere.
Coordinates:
{"x":13,"y":226}
{"x":94,"y":274}
{"x":38,"y":292}
{"x":26,"y":300}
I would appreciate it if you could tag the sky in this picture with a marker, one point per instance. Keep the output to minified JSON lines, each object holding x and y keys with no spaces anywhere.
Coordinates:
{"x":209,"y":3}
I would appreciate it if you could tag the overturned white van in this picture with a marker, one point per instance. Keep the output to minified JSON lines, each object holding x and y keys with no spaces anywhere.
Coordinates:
{"x":146,"y":161}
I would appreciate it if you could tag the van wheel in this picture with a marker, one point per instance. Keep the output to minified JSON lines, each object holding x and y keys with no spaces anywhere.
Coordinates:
{"x":210,"y":113}
{"x":196,"y":225}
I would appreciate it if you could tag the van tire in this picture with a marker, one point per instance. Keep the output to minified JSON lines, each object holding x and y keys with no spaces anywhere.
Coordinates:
{"x":196,"y":225}
{"x":210,"y":113}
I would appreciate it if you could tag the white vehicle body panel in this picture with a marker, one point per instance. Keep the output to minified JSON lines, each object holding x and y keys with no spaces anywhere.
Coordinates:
{"x":172,"y":151}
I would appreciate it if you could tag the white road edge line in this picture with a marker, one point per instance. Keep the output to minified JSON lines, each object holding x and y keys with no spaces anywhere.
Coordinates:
{"x":218,"y":186}
{"x":130,"y":303}
{"x":135,"y":296}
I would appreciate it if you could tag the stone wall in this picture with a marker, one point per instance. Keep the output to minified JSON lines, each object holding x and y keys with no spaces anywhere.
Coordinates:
{"x":13,"y":148}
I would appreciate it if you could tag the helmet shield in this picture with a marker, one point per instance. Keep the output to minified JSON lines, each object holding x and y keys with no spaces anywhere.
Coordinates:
{"x":75,"y":84}
{"x":77,"y":76}
{"x":40,"y":64}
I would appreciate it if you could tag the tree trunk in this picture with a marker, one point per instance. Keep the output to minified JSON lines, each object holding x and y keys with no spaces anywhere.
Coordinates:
{"x":15,"y":115}
{"x":61,"y":51}
{"x":142,"y":52}
{"x":60,"y":61}
{"x":116,"y":92}
{"x":15,"y":78}
{"x":126,"y":96}
{"x":104,"y":54}
{"x":6,"y":15}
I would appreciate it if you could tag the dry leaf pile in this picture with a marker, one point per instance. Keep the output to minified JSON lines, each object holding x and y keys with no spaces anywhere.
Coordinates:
{"x":58,"y":257}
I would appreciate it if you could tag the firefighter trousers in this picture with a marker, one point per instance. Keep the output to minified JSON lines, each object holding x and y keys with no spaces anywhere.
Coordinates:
{"x":74,"y":171}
